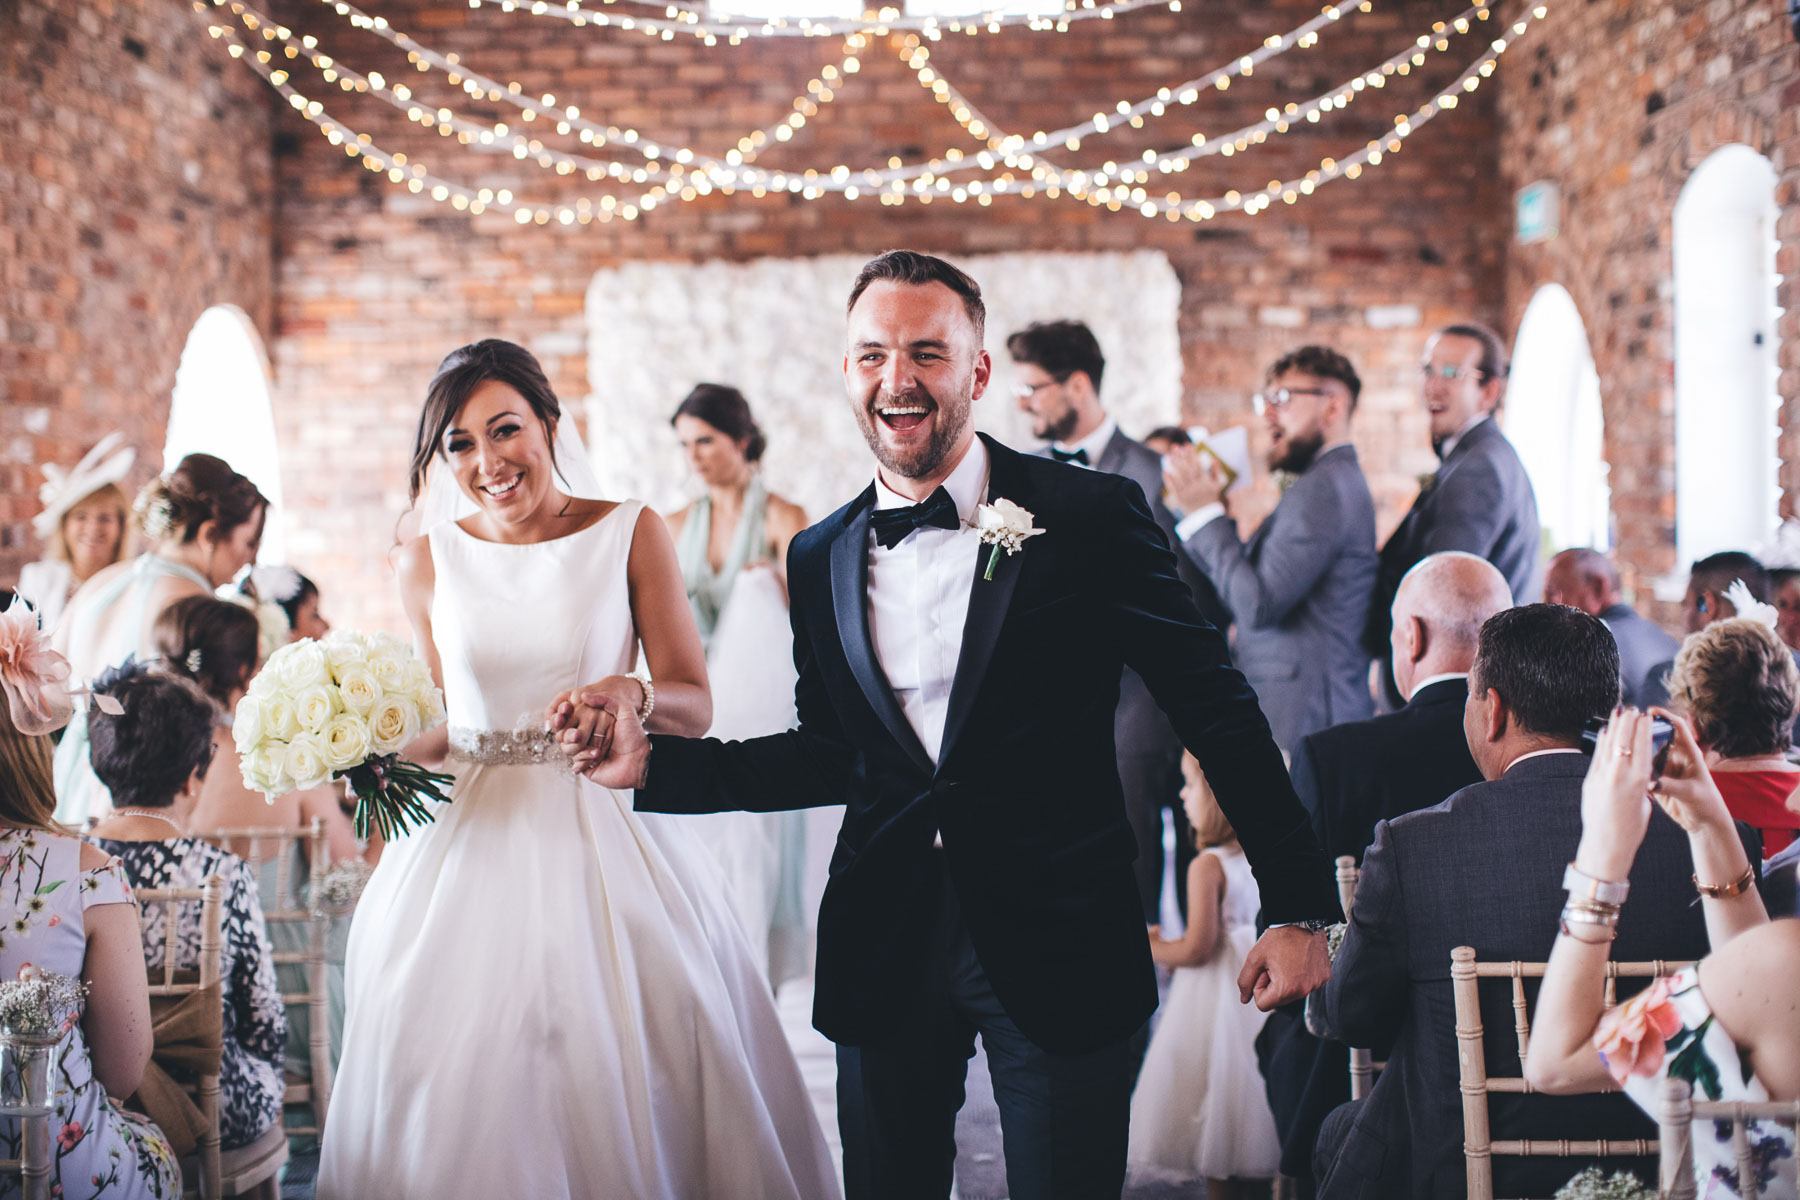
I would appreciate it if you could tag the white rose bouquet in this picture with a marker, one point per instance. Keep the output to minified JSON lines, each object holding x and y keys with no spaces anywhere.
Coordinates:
{"x":343,"y":708}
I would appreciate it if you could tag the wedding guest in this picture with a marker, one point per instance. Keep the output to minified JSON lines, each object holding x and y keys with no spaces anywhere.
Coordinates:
{"x":204,"y":523}
{"x":154,"y":758}
{"x":67,"y":908}
{"x":1587,"y":579}
{"x":1480,"y":499}
{"x":293,"y":593}
{"x":1058,"y":367}
{"x":1707,"y":599}
{"x":1299,"y":589}
{"x":1481,"y":869}
{"x":1352,"y":777}
{"x":1194,"y":1113}
{"x":1165,"y":438}
{"x":731,"y":543}
{"x":1785,"y":582}
{"x":83,"y":526}
{"x":1736,"y":681}
{"x":1729,"y":1015}
{"x":215,"y":644}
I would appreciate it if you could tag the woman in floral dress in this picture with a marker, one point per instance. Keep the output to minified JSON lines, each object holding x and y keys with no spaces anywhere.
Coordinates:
{"x":66,"y":907}
{"x":1725,"y":1025}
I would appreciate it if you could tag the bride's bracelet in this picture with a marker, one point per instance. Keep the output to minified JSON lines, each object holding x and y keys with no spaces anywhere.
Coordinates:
{"x":649,"y":705}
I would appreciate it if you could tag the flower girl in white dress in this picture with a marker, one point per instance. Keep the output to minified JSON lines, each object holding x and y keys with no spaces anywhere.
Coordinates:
{"x":1198,"y":1110}
{"x":548,"y":996}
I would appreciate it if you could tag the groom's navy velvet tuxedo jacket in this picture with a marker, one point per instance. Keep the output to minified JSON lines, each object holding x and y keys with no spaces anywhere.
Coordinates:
{"x":1026,"y":792}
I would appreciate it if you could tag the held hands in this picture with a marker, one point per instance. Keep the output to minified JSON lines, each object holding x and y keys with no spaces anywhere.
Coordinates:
{"x":1286,"y":963}
{"x":1193,"y":480}
{"x":598,"y":729}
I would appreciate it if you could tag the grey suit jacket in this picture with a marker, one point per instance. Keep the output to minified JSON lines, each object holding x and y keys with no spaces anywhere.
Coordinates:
{"x":1642,"y":645}
{"x":1482,"y":869}
{"x":1299,"y":591}
{"x":1480,"y":501}
{"x":1140,"y":726}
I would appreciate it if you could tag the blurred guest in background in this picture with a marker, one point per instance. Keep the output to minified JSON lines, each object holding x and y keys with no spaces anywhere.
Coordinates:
{"x":1587,"y":579}
{"x":83,"y":526}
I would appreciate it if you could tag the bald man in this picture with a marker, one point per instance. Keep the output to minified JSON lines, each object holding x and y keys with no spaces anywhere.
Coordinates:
{"x":1352,"y":776}
{"x":1587,"y":579}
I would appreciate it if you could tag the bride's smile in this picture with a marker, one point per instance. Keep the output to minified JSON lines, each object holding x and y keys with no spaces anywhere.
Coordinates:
{"x":499,"y":451}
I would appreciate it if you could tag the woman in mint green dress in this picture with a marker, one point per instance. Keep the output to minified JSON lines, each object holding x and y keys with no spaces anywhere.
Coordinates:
{"x":732,"y":546}
{"x":203,"y":523}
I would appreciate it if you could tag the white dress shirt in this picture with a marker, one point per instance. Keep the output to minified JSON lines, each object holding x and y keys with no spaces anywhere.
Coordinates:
{"x":1094,"y":443}
{"x":919,"y":600}
{"x":1449,"y":443}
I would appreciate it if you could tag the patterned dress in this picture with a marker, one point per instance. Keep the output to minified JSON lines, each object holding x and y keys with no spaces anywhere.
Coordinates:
{"x":1668,"y":1030}
{"x":101,"y":1150}
{"x":250,"y":1071}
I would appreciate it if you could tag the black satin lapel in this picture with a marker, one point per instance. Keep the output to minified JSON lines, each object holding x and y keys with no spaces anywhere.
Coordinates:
{"x":849,"y":601}
{"x":989,"y":600}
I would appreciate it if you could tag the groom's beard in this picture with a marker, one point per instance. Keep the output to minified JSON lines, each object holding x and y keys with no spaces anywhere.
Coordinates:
{"x":948,"y":424}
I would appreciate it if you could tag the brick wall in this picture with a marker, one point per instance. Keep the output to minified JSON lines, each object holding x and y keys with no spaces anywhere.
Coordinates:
{"x":1618,"y":105}
{"x":136,"y":189}
{"x":377,"y":283}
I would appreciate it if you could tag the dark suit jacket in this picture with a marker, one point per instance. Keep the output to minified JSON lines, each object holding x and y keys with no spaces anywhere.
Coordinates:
{"x":1479,"y":501}
{"x":1299,"y":592}
{"x":1140,"y":727}
{"x":1643,"y":644}
{"x":1352,"y":777}
{"x":1482,"y":869}
{"x":1026,"y":790}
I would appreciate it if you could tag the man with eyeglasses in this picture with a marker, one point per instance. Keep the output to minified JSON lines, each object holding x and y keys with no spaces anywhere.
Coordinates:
{"x":1057,"y":367}
{"x":1479,"y":501}
{"x":1298,"y":590}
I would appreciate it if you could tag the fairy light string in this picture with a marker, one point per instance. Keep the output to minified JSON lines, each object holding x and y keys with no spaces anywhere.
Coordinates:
{"x":1052,"y":181}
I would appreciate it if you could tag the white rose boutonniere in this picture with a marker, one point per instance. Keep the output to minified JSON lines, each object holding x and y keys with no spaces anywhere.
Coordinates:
{"x":1004,"y":526}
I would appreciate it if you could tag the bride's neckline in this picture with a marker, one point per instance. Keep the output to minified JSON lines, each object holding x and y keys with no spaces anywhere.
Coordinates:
{"x":596,"y":523}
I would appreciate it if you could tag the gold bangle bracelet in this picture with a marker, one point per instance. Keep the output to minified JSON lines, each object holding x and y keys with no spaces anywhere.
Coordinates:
{"x":1725,"y":891}
{"x":1611,"y":934}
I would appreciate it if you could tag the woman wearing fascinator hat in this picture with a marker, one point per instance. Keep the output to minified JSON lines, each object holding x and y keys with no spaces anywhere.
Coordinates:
{"x":86,"y":930}
{"x":83,"y":526}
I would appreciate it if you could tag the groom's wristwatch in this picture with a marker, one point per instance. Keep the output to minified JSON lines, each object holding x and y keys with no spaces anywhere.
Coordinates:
{"x":1316,"y":925}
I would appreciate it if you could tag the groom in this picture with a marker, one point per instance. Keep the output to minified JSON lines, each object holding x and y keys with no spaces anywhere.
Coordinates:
{"x":982,"y":882}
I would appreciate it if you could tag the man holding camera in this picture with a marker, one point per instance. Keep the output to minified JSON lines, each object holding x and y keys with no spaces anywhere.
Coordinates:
{"x":1485,"y":869}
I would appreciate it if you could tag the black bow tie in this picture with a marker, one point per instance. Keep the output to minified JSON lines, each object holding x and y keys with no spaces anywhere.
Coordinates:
{"x":1076,"y":456}
{"x":891,"y":525}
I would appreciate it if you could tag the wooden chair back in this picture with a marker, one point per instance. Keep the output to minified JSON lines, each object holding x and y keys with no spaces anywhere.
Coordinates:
{"x":1478,"y":1145}
{"x":1362,"y":1061}
{"x":278,"y":845}
{"x":1675,"y":1120}
{"x":163,"y":982}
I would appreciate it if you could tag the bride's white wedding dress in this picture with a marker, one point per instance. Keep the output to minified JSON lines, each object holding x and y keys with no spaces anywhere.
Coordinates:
{"x":548,"y":996}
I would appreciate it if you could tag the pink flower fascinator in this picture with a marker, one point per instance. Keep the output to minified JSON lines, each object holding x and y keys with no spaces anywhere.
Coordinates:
{"x":34,"y":677}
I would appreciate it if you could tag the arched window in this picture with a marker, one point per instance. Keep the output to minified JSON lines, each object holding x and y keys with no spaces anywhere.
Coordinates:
{"x":221,"y":407}
{"x":1552,"y":414}
{"x":1726,"y":494}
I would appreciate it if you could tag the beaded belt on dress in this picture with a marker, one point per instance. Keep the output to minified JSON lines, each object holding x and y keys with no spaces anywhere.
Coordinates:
{"x":507,"y":747}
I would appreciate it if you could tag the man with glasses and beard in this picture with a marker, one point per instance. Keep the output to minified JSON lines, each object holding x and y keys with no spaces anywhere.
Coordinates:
{"x":1479,"y":501}
{"x":1299,"y":588}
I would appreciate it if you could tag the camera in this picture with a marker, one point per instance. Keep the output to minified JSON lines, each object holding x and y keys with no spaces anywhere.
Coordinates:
{"x":1662,"y":735}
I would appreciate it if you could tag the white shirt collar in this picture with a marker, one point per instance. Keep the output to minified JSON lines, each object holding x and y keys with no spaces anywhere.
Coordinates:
{"x":1539,"y":754}
{"x":1459,"y":435}
{"x":1094,"y":443}
{"x":1431,"y":679}
{"x":967,"y":484}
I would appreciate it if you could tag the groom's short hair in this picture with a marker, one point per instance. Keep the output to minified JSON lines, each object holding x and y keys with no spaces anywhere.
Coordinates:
{"x":911,"y":267}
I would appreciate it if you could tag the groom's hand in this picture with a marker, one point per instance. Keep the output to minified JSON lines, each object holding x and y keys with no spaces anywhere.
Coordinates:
{"x":621,"y":758}
{"x":1286,"y":963}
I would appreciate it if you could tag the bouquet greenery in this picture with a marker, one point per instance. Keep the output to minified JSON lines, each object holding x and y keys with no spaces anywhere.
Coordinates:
{"x":343,"y":707}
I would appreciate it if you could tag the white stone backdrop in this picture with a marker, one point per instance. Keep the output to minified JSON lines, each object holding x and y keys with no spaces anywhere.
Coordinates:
{"x":774,"y":329}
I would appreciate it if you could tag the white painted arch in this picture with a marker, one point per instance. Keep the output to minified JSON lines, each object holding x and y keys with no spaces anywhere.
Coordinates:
{"x":1554,"y":418}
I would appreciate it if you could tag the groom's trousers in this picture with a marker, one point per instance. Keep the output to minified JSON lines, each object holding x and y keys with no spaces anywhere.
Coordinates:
{"x":1063,"y":1118}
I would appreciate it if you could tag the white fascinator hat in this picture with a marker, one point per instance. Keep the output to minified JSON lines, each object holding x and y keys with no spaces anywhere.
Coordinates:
{"x":108,"y":462}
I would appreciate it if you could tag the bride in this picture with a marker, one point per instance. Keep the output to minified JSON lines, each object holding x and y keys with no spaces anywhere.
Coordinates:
{"x":548,"y":996}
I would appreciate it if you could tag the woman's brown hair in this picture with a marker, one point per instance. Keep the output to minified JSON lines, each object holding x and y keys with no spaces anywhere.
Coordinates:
{"x":1737,"y":682}
{"x":27,"y":786}
{"x":201,"y":488}
{"x":210,"y":641}
{"x":463,"y":370}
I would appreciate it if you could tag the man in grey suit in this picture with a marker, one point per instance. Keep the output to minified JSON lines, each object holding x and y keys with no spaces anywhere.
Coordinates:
{"x":1480,"y":500}
{"x":1058,"y":367}
{"x":1484,"y":869}
{"x":1299,"y":589}
{"x":1586,"y":579}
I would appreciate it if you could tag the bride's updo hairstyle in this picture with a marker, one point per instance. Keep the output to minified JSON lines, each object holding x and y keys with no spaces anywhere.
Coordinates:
{"x":201,"y":488}
{"x":726,"y":410}
{"x":462,"y":371}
